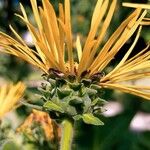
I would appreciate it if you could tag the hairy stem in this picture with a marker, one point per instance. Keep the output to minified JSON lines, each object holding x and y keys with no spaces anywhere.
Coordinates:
{"x":67,"y":135}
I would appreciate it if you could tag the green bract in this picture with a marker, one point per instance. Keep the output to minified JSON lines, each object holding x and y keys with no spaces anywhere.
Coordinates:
{"x":65,"y":97}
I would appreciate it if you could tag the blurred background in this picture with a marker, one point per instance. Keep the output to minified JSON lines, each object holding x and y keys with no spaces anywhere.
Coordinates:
{"x":126,"y":117}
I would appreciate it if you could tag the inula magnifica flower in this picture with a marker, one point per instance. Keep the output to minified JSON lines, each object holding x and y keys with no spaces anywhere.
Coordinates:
{"x":55,"y":51}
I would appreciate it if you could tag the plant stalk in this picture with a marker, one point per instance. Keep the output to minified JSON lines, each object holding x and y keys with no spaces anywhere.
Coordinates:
{"x":67,"y":135}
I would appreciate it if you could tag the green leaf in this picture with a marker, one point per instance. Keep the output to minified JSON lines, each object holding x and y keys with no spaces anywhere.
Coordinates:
{"x":52,"y":106}
{"x":90,"y":119}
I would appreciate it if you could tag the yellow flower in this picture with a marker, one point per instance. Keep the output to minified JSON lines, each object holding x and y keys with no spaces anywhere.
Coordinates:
{"x":9,"y":96}
{"x":53,"y":39}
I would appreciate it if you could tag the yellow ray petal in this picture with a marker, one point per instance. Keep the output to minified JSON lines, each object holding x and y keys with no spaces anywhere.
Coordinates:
{"x":47,"y":33}
{"x":127,"y":77}
{"x":9,"y":96}
{"x":96,"y":12}
{"x":113,"y":38}
{"x":40,"y":40}
{"x":15,"y":48}
{"x":17,"y":35}
{"x":126,"y":89}
{"x":53,"y":31}
{"x":128,"y":32}
{"x":69,"y":34}
{"x":142,"y":54}
{"x":35,"y":35}
{"x":36,"y":14}
{"x":139,"y":65}
{"x":79,"y":48}
{"x":126,"y":55}
{"x":103,"y":31}
{"x":136,"y":5}
{"x":92,"y":34}
{"x":61,"y":31}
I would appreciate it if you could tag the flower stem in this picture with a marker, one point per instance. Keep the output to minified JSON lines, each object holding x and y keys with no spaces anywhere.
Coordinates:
{"x":67,"y":135}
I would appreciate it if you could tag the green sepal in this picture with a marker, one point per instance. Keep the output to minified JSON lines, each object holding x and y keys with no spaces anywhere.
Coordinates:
{"x":98,"y":101}
{"x":86,"y":82}
{"x":91,"y":119}
{"x":91,"y":92}
{"x":94,"y":102}
{"x":49,"y":105}
{"x":66,"y":97}
{"x":87,"y":102}
{"x":52,"y":82}
{"x":71,"y":110}
{"x":75,"y":101}
{"x":96,"y":87}
{"x":60,"y":82}
{"x":44,"y":92}
{"x":75,"y":86}
{"x":63,"y":93}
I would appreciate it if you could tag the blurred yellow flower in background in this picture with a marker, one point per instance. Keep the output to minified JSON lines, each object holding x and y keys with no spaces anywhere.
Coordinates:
{"x":53,"y":40}
{"x":9,"y":96}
